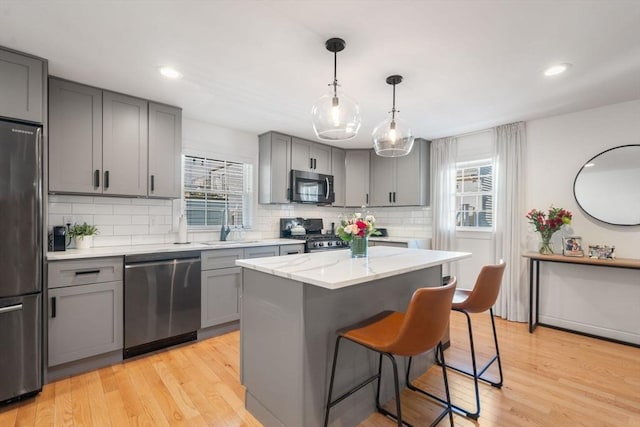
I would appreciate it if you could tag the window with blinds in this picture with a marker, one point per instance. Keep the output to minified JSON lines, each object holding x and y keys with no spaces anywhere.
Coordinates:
{"x":474,"y":196}
{"x":211,"y":186}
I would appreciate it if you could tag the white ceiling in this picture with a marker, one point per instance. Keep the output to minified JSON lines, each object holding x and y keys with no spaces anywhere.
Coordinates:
{"x":260,"y":65}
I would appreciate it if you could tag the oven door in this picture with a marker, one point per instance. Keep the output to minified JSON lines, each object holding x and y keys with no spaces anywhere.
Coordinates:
{"x":309,"y":187}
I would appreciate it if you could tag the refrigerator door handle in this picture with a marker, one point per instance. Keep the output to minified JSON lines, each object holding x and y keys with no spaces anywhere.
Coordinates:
{"x":10,"y":308}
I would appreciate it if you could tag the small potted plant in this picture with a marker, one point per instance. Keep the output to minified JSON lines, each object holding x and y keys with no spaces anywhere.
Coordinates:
{"x":83,"y":235}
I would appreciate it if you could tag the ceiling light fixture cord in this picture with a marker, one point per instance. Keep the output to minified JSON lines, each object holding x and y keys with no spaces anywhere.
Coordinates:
{"x":335,"y":78}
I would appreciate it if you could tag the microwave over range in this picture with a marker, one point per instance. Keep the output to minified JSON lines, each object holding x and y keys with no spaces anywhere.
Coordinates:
{"x":309,"y":187}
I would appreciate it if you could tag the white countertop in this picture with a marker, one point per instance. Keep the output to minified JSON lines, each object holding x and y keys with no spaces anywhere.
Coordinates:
{"x":336,"y":269}
{"x":107,"y":251}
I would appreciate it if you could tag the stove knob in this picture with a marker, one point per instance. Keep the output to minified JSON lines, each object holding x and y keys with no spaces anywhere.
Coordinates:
{"x":315,"y":244}
{"x":329,"y":243}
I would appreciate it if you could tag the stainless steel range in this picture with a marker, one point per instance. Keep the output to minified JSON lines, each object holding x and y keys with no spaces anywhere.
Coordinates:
{"x":310,"y":230}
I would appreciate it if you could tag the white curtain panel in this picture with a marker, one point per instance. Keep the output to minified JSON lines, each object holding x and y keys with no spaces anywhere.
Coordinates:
{"x":443,"y":196}
{"x":510,"y":145}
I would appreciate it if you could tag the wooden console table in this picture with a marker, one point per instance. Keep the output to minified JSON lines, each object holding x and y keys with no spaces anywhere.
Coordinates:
{"x":534,"y":277}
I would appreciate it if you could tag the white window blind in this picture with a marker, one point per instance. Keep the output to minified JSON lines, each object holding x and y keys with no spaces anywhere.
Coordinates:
{"x":474,"y":195}
{"x":211,"y":186}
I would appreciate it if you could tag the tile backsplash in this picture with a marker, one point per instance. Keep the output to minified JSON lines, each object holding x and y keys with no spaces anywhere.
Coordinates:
{"x":120,"y":221}
{"x":131,"y":221}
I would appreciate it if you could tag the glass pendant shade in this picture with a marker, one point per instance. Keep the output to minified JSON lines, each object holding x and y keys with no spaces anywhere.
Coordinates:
{"x":393,"y":138}
{"x":336,"y":118}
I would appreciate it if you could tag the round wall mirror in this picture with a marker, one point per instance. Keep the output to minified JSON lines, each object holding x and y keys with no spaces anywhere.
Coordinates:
{"x":607,"y":187}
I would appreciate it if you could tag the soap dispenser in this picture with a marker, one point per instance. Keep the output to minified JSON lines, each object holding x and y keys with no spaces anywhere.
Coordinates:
{"x":182,"y":229}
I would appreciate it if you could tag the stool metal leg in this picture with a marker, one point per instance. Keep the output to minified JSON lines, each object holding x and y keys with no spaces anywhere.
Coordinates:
{"x":332,"y":403}
{"x":477,"y":374}
{"x":447,"y":401}
{"x":398,"y":416}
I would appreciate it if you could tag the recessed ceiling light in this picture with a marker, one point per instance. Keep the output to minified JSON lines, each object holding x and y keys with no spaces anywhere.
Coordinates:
{"x":554,"y":70}
{"x":170,"y":73}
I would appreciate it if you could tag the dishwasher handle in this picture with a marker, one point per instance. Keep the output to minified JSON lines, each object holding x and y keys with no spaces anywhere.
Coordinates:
{"x":164,"y":262}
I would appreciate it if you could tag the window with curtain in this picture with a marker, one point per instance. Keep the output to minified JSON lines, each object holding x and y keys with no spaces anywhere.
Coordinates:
{"x":211,"y":186}
{"x":475,"y":195}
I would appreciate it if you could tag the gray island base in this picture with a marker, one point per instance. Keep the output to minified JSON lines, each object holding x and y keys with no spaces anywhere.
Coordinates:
{"x":291,"y":309}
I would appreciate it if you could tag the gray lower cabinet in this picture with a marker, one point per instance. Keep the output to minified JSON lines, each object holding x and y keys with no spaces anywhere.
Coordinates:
{"x":274,"y":165}
{"x":338,"y":170}
{"x":392,"y":244}
{"x":165,"y":149}
{"x":84,"y":321}
{"x":261,"y":251}
{"x":357,"y":177}
{"x":21,"y":86}
{"x":221,"y":281}
{"x":84,"y":308}
{"x":292,"y":249}
{"x":220,"y":296}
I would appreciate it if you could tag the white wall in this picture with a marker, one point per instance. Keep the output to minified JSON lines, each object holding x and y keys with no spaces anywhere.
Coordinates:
{"x":557,"y":147}
{"x":596,"y":300}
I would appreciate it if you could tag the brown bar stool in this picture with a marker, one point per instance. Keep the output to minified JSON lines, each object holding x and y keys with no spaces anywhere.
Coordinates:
{"x":478,"y":300}
{"x":403,"y":334}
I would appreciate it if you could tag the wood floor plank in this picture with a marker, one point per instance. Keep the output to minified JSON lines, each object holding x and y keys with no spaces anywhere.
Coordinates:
{"x":552,"y":379}
{"x":45,"y":406}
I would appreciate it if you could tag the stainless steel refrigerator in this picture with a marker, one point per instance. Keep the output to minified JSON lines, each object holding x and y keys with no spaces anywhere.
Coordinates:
{"x":21,"y":254}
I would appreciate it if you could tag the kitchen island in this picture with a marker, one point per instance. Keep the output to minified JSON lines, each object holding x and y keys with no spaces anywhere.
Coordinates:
{"x":291,"y":309}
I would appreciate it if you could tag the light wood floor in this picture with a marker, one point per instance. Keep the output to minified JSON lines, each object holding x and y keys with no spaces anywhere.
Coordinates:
{"x":552,"y":379}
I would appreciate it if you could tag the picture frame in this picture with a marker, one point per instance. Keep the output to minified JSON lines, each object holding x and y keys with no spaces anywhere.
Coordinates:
{"x":572,"y":246}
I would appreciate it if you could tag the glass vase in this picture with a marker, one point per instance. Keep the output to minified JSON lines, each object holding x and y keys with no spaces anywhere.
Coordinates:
{"x":546,"y":248}
{"x":359,"y":247}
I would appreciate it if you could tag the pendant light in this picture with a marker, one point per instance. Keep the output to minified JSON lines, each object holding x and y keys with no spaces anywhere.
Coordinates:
{"x":336,"y":117}
{"x":393,"y":137}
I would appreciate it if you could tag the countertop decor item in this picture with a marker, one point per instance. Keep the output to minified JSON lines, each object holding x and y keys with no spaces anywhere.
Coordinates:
{"x":602,"y":251}
{"x":357,"y":230}
{"x":336,"y":117}
{"x":83,"y":235}
{"x":572,"y":246}
{"x":547,"y":223}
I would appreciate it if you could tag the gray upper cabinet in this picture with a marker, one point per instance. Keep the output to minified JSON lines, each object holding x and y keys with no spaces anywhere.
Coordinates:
{"x":165,"y":149}
{"x":357,"y":177}
{"x":75,"y":137}
{"x":21,"y":86}
{"x":116,"y":144}
{"x":274,"y":166}
{"x":401,"y":181}
{"x":382,"y":182}
{"x":310,"y":156}
{"x":124,"y":145}
{"x":338,"y":170}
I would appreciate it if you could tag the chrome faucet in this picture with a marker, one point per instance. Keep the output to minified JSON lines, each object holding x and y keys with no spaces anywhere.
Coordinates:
{"x":224,"y":228}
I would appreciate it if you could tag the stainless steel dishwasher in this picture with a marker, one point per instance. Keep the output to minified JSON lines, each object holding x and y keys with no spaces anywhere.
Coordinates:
{"x":161,"y":300}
